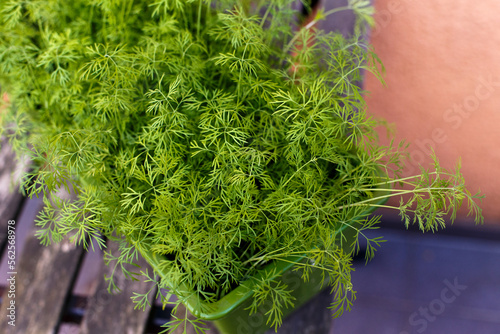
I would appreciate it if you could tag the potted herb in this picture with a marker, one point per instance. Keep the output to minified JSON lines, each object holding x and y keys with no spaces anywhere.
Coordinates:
{"x":228,"y":147}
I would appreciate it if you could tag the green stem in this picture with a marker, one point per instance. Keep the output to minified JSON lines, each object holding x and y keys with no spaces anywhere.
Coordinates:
{"x":264,"y":18}
{"x":198,"y":25}
{"x":312,"y":23}
{"x":400,"y":192}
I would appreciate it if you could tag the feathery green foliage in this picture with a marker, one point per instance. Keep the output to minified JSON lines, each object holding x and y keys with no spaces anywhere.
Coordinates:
{"x":215,"y":133}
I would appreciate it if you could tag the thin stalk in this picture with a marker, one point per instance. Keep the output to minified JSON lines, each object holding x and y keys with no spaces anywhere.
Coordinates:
{"x":311,"y":24}
{"x":401,"y":192}
{"x":198,"y":24}
{"x":264,"y":18}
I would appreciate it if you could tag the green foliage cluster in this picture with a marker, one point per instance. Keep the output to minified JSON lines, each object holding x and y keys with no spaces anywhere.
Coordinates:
{"x":215,"y":133}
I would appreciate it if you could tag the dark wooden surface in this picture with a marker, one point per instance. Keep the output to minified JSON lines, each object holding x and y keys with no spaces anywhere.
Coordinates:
{"x":115,"y":313}
{"x":10,"y":197}
{"x":45,"y":276}
{"x":44,"y":279}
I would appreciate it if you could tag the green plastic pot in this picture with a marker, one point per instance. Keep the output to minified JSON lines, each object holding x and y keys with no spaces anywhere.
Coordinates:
{"x":231,"y":314}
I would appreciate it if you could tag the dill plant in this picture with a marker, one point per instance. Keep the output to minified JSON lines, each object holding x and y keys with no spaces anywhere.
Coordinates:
{"x":214,"y":133}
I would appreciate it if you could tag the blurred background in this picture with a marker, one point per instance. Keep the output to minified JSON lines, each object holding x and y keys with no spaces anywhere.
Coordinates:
{"x":442,"y":92}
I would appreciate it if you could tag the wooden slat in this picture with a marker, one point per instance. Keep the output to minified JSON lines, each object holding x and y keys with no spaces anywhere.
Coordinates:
{"x":44,"y":279}
{"x":114,"y":313}
{"x":10,"y":198}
